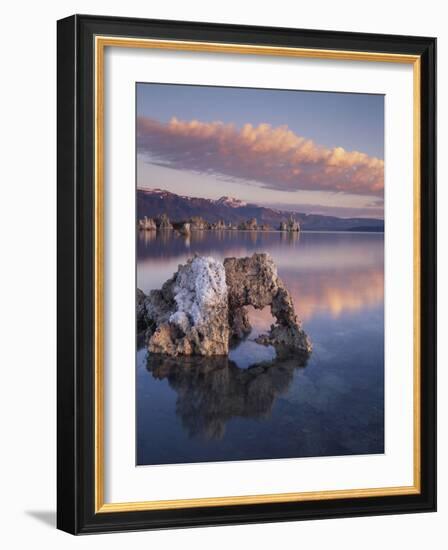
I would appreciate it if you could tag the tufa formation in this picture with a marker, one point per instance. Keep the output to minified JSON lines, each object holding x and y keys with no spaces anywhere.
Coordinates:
{"x":203,"y":306}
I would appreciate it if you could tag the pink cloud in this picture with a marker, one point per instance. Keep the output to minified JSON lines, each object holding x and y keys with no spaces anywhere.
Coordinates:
{"x":276,"y":157}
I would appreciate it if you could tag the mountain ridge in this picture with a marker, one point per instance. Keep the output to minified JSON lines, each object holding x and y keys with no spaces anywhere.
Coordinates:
{"x":155,"y":202}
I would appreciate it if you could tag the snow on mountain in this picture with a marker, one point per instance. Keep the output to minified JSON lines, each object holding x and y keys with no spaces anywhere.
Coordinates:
{"x":230,"y":201}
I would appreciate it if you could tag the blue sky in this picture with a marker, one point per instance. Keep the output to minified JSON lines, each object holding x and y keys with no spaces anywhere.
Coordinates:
{"x":281,"y":148}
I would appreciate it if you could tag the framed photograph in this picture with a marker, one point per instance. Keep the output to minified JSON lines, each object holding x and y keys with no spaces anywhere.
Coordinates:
{"x":246,"y":274}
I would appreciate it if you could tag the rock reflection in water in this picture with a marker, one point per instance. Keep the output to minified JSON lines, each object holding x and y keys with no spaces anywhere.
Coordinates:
{"x":212,"y":390}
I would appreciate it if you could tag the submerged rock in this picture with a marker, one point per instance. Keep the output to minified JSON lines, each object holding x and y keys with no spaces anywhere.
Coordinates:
{"x":203,"y":306}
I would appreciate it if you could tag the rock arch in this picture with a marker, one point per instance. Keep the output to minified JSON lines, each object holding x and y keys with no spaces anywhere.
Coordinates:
{"x":203,"y":306}
{"x":253,"y":281}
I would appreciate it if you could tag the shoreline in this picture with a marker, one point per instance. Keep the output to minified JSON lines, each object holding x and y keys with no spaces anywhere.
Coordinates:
{"x":262,"y":231}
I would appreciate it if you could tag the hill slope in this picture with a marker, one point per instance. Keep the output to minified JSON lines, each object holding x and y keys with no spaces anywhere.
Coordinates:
{"x":154,"y":202}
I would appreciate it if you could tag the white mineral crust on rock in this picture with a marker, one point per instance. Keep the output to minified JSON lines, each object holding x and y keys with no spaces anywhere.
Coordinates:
{"x":198,"y":325}
{"x":200,"y":286}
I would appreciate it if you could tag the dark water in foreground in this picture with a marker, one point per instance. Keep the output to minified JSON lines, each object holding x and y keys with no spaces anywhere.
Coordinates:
{"x":252,"y":405}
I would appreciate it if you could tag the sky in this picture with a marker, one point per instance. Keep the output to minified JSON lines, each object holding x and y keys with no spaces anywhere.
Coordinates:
{"x":314,"y":152}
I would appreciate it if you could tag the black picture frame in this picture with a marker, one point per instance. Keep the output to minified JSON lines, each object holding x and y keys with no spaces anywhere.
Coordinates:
{"x":76,"y":271}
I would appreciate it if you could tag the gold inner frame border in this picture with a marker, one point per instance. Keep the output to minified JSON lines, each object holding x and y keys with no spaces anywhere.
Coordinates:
{"x":100,"y":43}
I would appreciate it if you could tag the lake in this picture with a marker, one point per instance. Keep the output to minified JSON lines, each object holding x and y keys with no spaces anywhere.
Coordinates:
{"x":252,"y":405}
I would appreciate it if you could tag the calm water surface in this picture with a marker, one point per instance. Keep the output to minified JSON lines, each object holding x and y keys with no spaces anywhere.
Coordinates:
{"x":252,"y":405}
